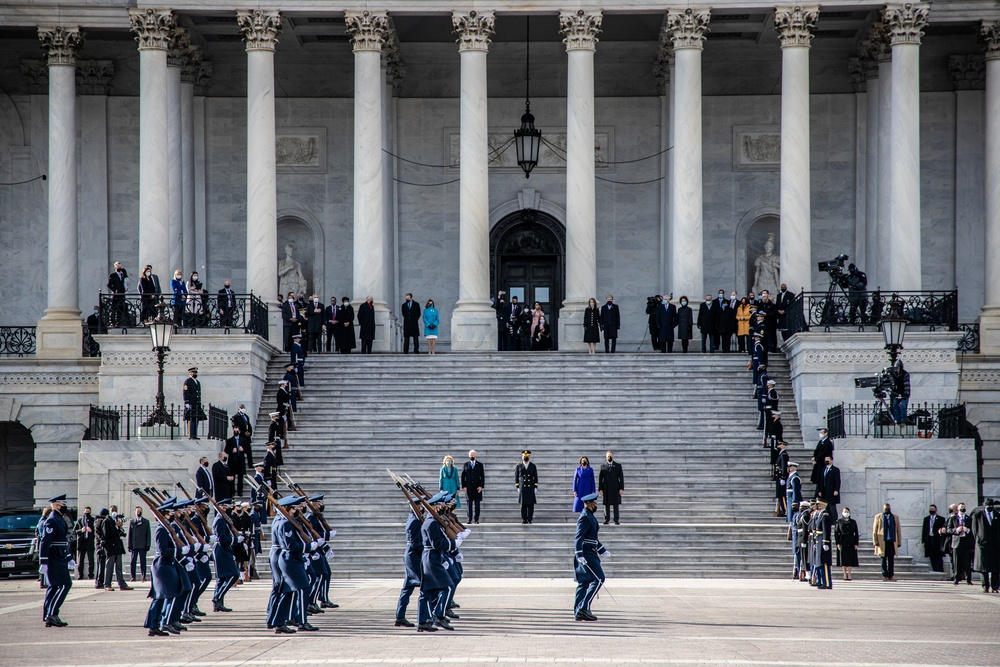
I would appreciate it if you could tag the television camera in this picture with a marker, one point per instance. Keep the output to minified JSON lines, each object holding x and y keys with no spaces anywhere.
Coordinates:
{"x":880,"y":383}
{"x":835,"y":268}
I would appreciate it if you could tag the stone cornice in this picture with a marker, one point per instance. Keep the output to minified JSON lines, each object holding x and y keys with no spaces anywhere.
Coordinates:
{"x":905,"y":22}
{"x":260,"y":29}
{"x":153,"y":28}
{"x":47,"y":378}
{"x":688,"y":27}
{"x":795,"y":25}
{"x":367,"y":29}
{"x":967,"y":72}
{"x":179,"y":359}
{"x":61,"y":43}
{"x":474,"y":30}
{"x":990,"y":34}
{"x":179,"y":44}
{"x":580,"y":29}
{"x":93,"y":77}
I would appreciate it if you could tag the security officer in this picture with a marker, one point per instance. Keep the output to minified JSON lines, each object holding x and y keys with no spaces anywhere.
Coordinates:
{"x":192,"y":401}
{"x":55,"y":562}
{"x":411,"y":563}
{"x":588,"y":573}
{"x":824,"y":549}
{"x":257,"y":497}
{"x":526,"y":481}
{"x":226,"y":571}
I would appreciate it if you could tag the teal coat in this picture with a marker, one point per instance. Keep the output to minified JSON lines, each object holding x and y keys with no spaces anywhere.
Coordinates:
{"x":450,"y":483}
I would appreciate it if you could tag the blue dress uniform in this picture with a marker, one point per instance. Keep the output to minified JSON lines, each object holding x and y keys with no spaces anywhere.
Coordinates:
{"x":824,"y":549}
{"x":320,"y":592}
{"x":166,"y":585}
{"x":294,"y":585}
{"x":411,"y":563}
{"x":298,"y":360}
{"x":54,"y":555}
{"x":455,"y":572}
{"x":226,"y":570}
{"x":793,"y":490}
{"x":588,"y":573}
{"x":274,"y":558}
{"x":184,"y":564}
{"x":193,"y":573}
{"x":435,"y":563}
{"x":201,"y":565}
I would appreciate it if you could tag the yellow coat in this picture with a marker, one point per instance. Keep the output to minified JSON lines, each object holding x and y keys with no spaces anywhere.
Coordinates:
{"x":879,"y":540}
{"x":743,"y":314}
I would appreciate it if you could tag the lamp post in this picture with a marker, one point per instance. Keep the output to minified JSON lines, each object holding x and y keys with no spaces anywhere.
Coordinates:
{"x":894,"y":328}
{"x":160,"y":330}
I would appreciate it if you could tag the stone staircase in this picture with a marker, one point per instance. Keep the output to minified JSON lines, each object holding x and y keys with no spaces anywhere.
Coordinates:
{"x":698,"y":500}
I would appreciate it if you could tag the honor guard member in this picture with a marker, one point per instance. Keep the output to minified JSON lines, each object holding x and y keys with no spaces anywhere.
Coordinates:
{"x":284,"y":403}
{"x":455,"y":558}
{"x":824,"y":550}
{"x":802,"y":530}
{"x":298,"y":359}
{"x":793,"y":489}
{"x":526,"y":481}
{"x":411,"y":564}
{"x":166,"y":586}
{"x":257,"y":497}
{"x":793,"y":536}
{"x":55,"y":562}
{"x":435,"y":562}
{"x":274,"y":558}
{"x":192,"y":401}
{"x":320,"y":594}
{"x":587,"y":572}
{"x":257,"y":519}
{"x":276,"y":433}
{"x":762,"y":406}
{"x":200,"y":573}
{"x":780,"y":478}
{"x":226,"y":571}
{"x":293,"y":386}
{"x":202,"y":567}
{"x":294,"y":586}
{"x":186,"y":568}
{"x":271,"y":463}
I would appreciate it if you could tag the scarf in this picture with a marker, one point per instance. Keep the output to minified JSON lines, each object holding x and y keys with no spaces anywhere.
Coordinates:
{"x":888,"y":528}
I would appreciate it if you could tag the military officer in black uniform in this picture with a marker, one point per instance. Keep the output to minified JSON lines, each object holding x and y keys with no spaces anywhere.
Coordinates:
{"x":587,"y":570}
{"x":526,"y":481}
{"x":192,"y":401}
{"x":824,"y":550}
{"x":55,"y":562}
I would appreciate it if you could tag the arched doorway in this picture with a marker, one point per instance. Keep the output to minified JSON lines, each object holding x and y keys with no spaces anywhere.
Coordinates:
{"x":17,"y":466}
{"x":528,"y":260}
{"x":756,"y":234}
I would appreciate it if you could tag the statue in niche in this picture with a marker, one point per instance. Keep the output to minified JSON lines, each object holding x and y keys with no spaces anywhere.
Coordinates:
{"x":290,"y":276}
{"x":767,"y":269}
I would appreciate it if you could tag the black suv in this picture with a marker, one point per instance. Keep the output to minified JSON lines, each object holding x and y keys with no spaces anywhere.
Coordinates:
{"x":19,"y":542}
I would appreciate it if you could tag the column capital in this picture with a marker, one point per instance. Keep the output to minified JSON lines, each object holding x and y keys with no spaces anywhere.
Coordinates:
{"x":990,"y":33}
{"x":905,"y":22}
{"x":93,"y":77}
{"x":688,"y":27}
{"x":61,"y":43}
{"x":967,"y":72}
{"x":180,"y":42}
{"x":392,"y":60}
{"x":153,"y":28}
{"x":795,"y":24}
{"x":190,"y":63}
{"x":367,"y":29}
{"x":580,"y":29}
{"x":201,"y":76}
{"x":856,"y":67}
{"x":868,"y":56}
{"x":38,"y":75}
{"x":260,"y":29}
{"x":474,"y":30}
{"x":664,"y":60}
{"x":878,"y":41}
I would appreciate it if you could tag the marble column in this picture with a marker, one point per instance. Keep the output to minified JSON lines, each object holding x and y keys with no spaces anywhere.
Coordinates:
{"x":260,"y":35}
{"x":175,"y":167}
{"x":580,"y":29}
{"x":473,"y":323}
{"x":368,"y":31}
{"x":687,"y":28}
{"x":990,"y":317}
{"x":59,"y":332}
{"x":202,"y":75}
{"x":664,"y":73}
{"x":192,"y":58}
{"x":153,"y":31}
{"x":880,"y":41}
{"x":904,"y":23}
{"x":392,"y":75}
{"x":794,"y":26}
{"x":870,"y":72}
{"x":93,"y":79}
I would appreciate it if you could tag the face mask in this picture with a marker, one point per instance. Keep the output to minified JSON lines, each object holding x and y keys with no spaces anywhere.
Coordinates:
{"x":721,"y":295}
{"x":525,"y":459}
{"x":584,"y":464}
{"x":961,"y":510}
{"x":138,"y":514}
{"x":732,"y":296}
{"x":194,"y":277}
{"x":448,"y":464}
{"x":847,"y":515}
{"x":610,"y":459}
{"x":472,"y":458}
{"x":933,"y":512}
{"x":347,"y":303}
{"x":708,"y":300}
{"x":684,"y":303}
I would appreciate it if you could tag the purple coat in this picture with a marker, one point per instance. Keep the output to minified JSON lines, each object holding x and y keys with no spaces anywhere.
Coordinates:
{"x":583,"y":485}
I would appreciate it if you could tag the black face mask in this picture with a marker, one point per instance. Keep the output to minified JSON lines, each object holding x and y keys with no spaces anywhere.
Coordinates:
{"x":933,"y":512}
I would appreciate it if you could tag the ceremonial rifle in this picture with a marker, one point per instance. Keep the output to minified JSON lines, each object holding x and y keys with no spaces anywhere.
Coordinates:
{"x":448,"y":513}
{"x":159,"y":517}
{"x":266,"y":490}
{"x":407,"y":490}
{"x":225,"y":516}
{"x":312,"y":507}
{"x":202,"y":512}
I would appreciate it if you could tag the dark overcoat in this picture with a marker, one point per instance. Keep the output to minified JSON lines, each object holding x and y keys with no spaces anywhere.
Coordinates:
{"x":526,"y":481}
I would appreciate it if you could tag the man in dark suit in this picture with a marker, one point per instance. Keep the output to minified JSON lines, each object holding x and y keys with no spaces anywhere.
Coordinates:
{"x":226,"y":304}
{"x":611,"y":322}
{"x":203,"y":478}
{"x":666,"y":319}
{"x":314,"y":324}
{"x":222,"y":478}
{"x":473,"y":482}
{"x":192,"y":401}
{"x":824,"y":449}
{"x":236,"y":459}
{"x":830,"y":485}
{"x":706,"y":325}
{"x":366,"y":324}
{"x":330,"y":322}
{"x":500,"y":306}
{"x":411,"y":324}
{"x":140,"y":538}
{"x":243,"y":420}
{"x":84,"y":530}
{"x":512,"y":330}
{"x":611,"y":486}
{"x":117,"y":285}
{"x":986,"y":531}
{"x":526,"y":481}
{"x":783,"y":302}
{"x":932,"y":539}
{"x":959,"y":526}
{"x":289,"y":319}
{"x":770,"y":311}
{"x":718,"y":315}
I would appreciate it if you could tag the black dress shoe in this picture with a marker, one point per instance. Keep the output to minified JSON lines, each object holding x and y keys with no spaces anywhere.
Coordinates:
{"x":587,"y":616}
{"x":197,"y":612}
{"x":192,"y":619}
{"x":450,"y":614}
{"x":185,"y":619}
{"x":308,"y":627}
{"x":328,"y":605}
{"x":403,"y":623}
{"x":53,"y":622}
{"x":606,"y":522}
{"x":443,"y":622}
{"x":617,"y":523}
{"x":180,"y":627}
{"x":455,"y":605}
{"x":427,"y":627}
{"x":156,"y":632}
{"x":220,"y":607}
{"x":284,"y":630}
{"x":171,"y":629}
{"x":314,"y":609}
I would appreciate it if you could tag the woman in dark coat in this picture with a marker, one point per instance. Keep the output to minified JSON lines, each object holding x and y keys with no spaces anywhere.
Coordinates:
{"x":685,"y":323}
{"x":592,"y":326}
{"x":847,"y":537}
{"x":345,"y":324}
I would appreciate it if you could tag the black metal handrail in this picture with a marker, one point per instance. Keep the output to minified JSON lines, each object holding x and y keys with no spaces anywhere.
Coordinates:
{"x":244,"y":313}
{"x":874,"y":420}
{"x":121,"y":422}
{"x":18,"y":341}
{"x":863,"y":310}
{"x":969,"y":343}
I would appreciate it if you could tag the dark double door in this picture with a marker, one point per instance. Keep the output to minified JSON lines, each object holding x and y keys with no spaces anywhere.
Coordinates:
{"x":533,"y":278}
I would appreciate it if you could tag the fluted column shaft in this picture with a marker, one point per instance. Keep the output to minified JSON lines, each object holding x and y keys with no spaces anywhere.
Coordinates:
{"x":794,"y":26}
{"x":687,"y":270}
{"x":175,"y":165}
{"x":884,"y":209}
{"x":187,"y":170}
{"x":871,"y":263}
{"x":473,"y":322}
{"x":580,"y":29}
{"x":990,"y":318}
{"x":904,"y":23}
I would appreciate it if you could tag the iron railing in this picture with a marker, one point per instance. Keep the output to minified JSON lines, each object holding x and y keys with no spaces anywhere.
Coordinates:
{"x":19,"y":341}
{"x":969,"y":343}
{"x":122,"y":422}
{"x":246,"y":313}
{"x":863,"y":310}
{"x":874,"y":420}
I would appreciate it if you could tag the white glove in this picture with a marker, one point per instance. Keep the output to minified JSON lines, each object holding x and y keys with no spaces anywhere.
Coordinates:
{"x":239,"y":539}
{"x":329,"y":555}
{"x":459,"y":557}
{"x":185,"y":550}
{"x":332,"y":533}
{"x":782,"y":482}
{"x":72,"y":565}
{"x":581,"y":560}
{"x":214,"y":539}
{"x":826,"y":547}
{"x":446,"y":565}
{"x":187,"y":406}
{"x":465,"y":533}
{"x":189,"y":566}
{"x":313,"y":546}
{"x":321,"y":541}
{"x":606,"y":554}
{"x":458,"y":540}
{"x":43,"y":569}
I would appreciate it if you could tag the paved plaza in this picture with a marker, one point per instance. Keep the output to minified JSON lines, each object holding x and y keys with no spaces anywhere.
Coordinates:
{"x":527,"y":621}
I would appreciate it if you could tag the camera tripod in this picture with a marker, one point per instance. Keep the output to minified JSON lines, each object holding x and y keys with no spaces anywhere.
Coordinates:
{"x":829,"y":316}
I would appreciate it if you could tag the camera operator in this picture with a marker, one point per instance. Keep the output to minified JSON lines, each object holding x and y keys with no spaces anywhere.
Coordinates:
{"x":900,"y":392}
{"x":652,"y":303}
{"x":857,"y":285}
